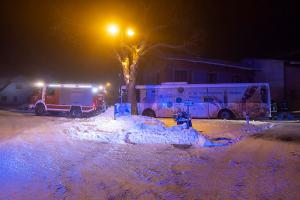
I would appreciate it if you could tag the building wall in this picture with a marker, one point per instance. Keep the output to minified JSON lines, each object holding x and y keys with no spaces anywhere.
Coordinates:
{"x":16,"y":93}
{"x":159,"y":71}
{"x":292,"y":73}
{"x":272,"y":72}
{"x":283,"y":77}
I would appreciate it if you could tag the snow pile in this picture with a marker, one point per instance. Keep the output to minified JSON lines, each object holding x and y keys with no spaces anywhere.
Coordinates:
{"x":238,"y":129}
{"x":132,"y":129}
{"x":256,"y":127}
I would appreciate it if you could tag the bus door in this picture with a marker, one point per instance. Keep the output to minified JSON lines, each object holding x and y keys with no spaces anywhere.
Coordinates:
{"x":199,"y":109}
{"x":216,"y":99}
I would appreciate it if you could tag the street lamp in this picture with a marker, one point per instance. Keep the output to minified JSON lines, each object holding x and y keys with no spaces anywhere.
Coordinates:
{"x":128,"y":53}
{"x":130,"y":32}
{"x":113,"y":29}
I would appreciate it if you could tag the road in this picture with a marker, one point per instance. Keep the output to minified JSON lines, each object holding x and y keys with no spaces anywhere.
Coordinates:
{"x":39,"y":161}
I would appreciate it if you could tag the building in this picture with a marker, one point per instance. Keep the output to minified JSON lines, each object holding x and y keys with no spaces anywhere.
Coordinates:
{"x":194,"y":70}
{"x":282,"y":75}
{"x":16,"y":91}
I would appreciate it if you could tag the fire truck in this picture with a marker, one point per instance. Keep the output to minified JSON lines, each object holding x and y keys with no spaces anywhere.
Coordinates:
{"x":75,"y":99}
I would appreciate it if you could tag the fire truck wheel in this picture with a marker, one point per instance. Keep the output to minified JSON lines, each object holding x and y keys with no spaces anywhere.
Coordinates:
{"x":40,"y":109}
{"x":149,"y":112}
{"x":225,"y":114}
{"x":75,"y":112}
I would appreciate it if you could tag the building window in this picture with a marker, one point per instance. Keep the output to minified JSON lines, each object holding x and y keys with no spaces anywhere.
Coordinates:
{"x":212,"y":77}
{"x":18,"y":87}
{"x":198,"y":77}
{"x":181,"y":76}
{"x":250,"y":79}
{"x":15,"y":98}
{"x":3,"y":98}
{"x":236,"y":79}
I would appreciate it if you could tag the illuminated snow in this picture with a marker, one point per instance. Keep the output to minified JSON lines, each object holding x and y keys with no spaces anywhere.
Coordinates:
{"x":62,"y":158}
{"x":132,"y":129}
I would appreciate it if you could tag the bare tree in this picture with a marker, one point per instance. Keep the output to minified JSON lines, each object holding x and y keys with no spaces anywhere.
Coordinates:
{"x":129,"y":54}
{"x":158,"y":20}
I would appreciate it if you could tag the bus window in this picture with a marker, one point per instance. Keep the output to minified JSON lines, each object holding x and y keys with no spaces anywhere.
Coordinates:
{"x":263,"y":94}
{"x":208,"y":99}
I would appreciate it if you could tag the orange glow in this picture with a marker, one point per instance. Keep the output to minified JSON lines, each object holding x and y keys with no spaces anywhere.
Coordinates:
{"x":130,"y":32}
{"x":113,"y":29}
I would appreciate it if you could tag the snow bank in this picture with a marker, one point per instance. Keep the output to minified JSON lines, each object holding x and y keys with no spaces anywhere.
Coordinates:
{"x":131,"y":129}
{"x":147,"y":130}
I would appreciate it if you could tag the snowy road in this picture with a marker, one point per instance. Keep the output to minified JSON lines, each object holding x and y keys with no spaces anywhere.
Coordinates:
{"x":38,"y":161}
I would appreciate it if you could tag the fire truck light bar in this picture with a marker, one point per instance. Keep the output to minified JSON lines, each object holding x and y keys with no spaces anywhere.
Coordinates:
{"x":39,"y":84}
{"x":54,"y":85}
{"x":69,"y":85}
{"x":101,"y":87}
{"x":84,"y":86}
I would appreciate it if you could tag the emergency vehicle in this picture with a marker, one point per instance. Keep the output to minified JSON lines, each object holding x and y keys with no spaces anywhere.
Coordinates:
{"x":75,"y":99}
{"x":224,"y":101}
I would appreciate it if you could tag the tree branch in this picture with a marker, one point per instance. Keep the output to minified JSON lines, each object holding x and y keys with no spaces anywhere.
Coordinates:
{"x":158,"y":45}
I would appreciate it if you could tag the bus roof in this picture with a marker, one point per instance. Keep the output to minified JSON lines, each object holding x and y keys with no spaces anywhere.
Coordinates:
{"x":186,"y":85}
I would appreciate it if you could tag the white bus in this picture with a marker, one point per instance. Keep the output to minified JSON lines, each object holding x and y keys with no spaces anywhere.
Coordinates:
{"x":224,"y":101}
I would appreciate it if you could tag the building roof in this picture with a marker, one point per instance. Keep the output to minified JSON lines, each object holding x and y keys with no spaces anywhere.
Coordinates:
{"x":4,"y":83}
{"x":186,"y":85}
{"x":211,"y":62}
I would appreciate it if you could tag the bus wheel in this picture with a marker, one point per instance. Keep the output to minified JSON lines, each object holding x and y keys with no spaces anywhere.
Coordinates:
{"x":75,"y":112}
{"x":149,"y":112}
{"x":225,"y":114}
{"x":40,"y":109}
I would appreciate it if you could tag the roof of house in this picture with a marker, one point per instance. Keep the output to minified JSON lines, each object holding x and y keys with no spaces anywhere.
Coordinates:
{"x":179,"y":55}
{"x":4,"y":83}
{"x":222,"y":63}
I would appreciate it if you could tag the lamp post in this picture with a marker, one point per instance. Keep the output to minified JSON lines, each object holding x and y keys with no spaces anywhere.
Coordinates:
{"x":127,"y":53}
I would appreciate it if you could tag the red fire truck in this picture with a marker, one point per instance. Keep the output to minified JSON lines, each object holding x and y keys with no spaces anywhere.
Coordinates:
{"x":75,"y":99}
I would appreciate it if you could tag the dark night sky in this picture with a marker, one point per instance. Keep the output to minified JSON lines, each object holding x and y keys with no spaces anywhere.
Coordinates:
{"x":66,"y":39}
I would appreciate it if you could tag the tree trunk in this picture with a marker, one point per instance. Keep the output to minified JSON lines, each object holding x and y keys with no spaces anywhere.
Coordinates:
{"x":131,"y":89}
{"x":132,"y":96}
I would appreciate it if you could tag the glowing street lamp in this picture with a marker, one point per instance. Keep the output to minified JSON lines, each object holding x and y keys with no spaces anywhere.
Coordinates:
{"x":128,"y":59}
{"x":113,"y":29}
{"x":130,"y":32}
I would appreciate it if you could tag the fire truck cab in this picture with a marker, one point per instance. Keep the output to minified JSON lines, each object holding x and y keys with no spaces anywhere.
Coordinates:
{"x":75,"y":99}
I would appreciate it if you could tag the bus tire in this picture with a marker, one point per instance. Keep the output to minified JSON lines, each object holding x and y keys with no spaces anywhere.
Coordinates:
{"x":40,"y":109}
{"x":149,"y":112}
{"x":225,"y":114}
{"x":75,"y":112}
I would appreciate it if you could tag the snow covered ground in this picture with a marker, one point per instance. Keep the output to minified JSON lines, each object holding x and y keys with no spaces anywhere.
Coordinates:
{"x":234,"y":130}
{"x":55,"y":158}
{"x":146,"y":130}
{"x":132,"y":129}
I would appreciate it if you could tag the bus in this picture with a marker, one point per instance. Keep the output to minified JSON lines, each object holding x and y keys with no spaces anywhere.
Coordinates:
{"x":223,"y":101}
